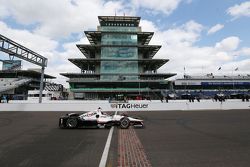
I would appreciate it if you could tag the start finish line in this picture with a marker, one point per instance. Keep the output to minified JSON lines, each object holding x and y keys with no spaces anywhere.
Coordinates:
{"x":154,"y":105}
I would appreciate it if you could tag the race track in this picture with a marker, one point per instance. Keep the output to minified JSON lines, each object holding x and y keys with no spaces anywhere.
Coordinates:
{"x":171,"y":138}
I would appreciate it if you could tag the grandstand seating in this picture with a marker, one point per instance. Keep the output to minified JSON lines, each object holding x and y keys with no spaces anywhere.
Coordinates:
{"x":53,"y":87}
{"x":12,"y":83}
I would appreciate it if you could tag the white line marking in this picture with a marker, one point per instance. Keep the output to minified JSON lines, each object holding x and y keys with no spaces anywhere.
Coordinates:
{"x":106,"y":148}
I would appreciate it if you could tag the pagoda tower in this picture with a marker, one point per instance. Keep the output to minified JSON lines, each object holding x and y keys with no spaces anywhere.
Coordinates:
{"x":118,"y":63}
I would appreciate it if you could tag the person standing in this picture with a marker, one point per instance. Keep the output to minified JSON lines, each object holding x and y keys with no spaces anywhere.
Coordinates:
{"x":7,"y":99}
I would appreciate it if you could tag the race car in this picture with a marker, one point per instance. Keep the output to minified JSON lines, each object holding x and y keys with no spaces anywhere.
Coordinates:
{"x":98,"y":119}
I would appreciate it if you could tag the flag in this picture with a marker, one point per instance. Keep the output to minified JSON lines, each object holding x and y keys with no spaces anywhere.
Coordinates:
{"x":219,"y":68}
{"x":236,"y":69}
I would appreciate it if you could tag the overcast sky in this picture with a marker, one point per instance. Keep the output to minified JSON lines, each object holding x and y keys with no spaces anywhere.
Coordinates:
{"x":200,"y":35}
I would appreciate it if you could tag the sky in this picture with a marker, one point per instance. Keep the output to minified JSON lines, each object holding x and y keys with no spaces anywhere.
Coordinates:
{"x":197,"y":36}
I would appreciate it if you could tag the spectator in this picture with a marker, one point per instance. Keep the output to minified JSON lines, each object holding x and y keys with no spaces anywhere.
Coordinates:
{"x":243,"y":98}
{"x":7,"y":99}
{"x":4,"y":99}
{"x":247,"y":97}
{"x":216,"y":98}
{"x":161,"y":99}
{"x":166,"y":99}
{"x":198,"y":98}
{"x":192,"y":97}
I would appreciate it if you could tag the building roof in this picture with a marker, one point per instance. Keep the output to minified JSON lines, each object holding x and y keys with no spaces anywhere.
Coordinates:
{"x":119,"y":19}
{"x":89,"y":64}
{"x":112,"y":90}
{"x":23,"y":73}
{"x":94,"y":37}
{"x":89,"y":50}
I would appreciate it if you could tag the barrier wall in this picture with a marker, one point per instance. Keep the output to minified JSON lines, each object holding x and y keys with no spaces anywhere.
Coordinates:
{"x":130,"y":106}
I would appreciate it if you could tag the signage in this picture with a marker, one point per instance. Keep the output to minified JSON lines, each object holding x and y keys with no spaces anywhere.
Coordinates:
{"x":225,"y":83}
{"x":11,"y":65}
{"x":128,"y":106}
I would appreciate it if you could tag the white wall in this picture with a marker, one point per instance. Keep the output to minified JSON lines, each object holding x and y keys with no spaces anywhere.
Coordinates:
{"x":131,"y":106}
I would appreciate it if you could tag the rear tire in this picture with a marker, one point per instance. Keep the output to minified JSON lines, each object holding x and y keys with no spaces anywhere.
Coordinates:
{"x":124,"y":123}
{"x":72,"y":123}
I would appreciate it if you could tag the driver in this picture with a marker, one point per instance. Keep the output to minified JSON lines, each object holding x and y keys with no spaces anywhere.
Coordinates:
{"x":99,"y":109}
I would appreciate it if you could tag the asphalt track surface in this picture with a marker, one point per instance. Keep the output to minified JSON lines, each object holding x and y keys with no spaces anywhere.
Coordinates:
{"x":170,"y":138}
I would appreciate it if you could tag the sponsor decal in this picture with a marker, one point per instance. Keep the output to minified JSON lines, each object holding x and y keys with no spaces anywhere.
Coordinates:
{"x":89,"y":114}
{"x":127,"y":105}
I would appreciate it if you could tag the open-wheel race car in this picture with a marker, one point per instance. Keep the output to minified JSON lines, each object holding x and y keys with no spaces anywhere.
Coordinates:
{"x":98,"y":119}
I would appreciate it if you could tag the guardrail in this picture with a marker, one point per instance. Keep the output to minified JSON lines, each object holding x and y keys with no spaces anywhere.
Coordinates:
{"x":140,"y":105}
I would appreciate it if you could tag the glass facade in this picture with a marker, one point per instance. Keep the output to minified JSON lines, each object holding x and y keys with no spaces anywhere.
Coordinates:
{"x":119,"y":39}
{"x":119,"y":67}
{"x":123,"y":58}
{"x":119,"y":53}
{"x":119,"y":77}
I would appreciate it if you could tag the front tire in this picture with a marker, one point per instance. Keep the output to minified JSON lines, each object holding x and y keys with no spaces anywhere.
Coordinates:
{"x":72,"y":123}
{"x":124,"y":123}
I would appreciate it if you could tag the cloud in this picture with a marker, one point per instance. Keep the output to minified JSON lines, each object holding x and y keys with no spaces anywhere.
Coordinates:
{"x":215,"y":29}
{"x":60,"y":18}
{"x":245,"y":51}
{"x":3,"y":11}
{"x":57,"y":60}
{"x":228,"y":44}
{"x":148,"y":26}
{"x":186,"y":34}
{"x":240,"y":10}
{"x":179,"y":44}
{"x":35,"y":42}
{"x":166,"y":7}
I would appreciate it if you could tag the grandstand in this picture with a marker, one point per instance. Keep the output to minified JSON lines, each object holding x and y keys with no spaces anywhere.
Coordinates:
{"x":208,"y":86}
{"x":16,"y":83}
{"x":10,"y":83}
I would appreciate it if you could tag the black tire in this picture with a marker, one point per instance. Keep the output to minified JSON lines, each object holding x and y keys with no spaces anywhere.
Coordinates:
{"x":124,"y":123}
{"x":72,"y":123}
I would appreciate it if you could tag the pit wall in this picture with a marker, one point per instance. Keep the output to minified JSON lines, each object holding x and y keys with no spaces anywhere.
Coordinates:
{"x":143,"y":105}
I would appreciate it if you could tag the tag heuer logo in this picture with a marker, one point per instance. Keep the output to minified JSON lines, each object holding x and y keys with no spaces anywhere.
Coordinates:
{"x":127,"y":105}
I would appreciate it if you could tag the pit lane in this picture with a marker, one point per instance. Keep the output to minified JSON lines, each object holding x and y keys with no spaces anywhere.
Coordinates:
{"x":171,"y":138}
